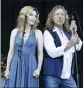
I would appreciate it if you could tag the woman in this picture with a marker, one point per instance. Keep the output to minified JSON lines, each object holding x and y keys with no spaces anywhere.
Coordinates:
{"x":22,"y":68}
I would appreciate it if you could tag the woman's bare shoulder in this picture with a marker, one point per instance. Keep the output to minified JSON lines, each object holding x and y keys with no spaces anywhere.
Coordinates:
{"x":14,"y":31}
{"x":39,"y":35}
{"x":38,"y":32}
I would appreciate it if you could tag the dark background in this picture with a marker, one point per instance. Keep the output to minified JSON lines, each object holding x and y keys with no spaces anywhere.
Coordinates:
{"x":11,"y":8}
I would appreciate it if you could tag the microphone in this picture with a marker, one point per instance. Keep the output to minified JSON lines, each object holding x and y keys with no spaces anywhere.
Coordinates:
{"x":73,"y":29}
{"x":70,"y":17}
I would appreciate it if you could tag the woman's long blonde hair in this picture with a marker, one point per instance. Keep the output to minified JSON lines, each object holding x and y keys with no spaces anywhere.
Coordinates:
{"x":22,"y":18}
{"x":50,"y":23}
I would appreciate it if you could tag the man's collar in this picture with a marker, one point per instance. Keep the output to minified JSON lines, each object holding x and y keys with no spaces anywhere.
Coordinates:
{"x":55,"y":29}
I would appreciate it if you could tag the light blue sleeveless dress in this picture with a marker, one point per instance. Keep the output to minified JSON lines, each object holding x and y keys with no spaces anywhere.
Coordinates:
{"x":23,"y":76}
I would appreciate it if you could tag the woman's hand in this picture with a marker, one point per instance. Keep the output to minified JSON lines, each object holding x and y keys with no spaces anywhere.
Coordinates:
{"x":36,"y":73}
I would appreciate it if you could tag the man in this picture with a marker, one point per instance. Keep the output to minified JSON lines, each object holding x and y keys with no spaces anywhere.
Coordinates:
{"x":59,"y":42}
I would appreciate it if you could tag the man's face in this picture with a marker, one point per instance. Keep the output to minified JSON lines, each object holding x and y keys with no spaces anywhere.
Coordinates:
{"x":59,"y":17}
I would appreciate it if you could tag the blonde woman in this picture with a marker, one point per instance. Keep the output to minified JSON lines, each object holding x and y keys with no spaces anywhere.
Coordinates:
{"x":22,"y":68}
{"x":59,"y":44}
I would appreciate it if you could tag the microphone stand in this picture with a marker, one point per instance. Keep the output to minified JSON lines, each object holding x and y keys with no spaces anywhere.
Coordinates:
{"x":75,"y":54}
{"x":77,"y":75}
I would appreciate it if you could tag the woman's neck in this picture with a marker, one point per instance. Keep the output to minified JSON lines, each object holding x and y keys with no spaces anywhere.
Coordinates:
{"x":27,"y":28}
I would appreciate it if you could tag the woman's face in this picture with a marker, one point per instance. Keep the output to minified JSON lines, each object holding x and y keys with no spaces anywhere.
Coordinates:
{"x":59,"y":17}
{"x":32,"y":17}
